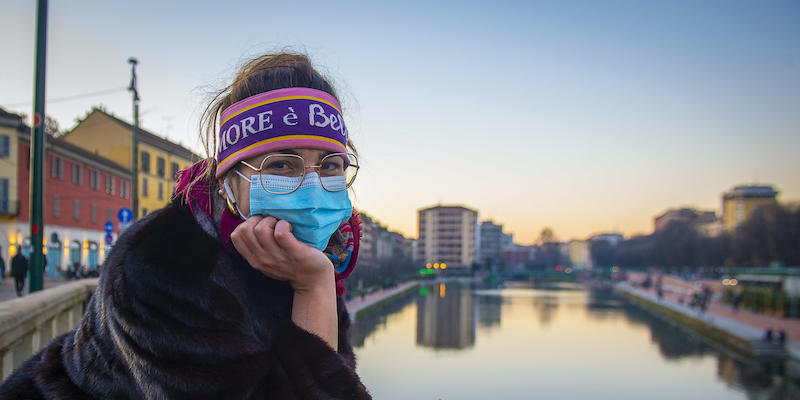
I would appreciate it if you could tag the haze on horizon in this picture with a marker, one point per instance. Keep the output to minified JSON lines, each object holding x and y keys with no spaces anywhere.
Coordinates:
{"x":585,"y":117}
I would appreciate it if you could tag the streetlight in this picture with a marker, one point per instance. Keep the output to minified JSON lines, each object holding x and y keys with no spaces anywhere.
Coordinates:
{"x":134,"y":143}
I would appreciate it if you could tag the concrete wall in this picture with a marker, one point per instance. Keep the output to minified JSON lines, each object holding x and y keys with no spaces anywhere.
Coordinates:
{"x":29,"y":323}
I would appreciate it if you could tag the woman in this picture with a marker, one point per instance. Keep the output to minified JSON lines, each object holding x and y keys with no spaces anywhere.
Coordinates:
{"x":231,"y":291}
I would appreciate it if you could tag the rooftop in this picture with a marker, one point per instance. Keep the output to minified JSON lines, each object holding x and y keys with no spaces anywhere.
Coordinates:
{"x":751,"y":191}
{"x":153,"y":139}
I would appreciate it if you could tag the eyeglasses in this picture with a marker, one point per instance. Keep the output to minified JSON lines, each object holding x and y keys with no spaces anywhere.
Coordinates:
{"x":285,"y":173}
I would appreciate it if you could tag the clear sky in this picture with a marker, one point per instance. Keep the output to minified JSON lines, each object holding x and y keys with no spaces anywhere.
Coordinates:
{"x":583,"y":116}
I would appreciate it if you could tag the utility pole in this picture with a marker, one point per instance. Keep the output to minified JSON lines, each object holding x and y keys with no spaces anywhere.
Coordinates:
{"x":37,"y":153}
{"x":134,"y":142}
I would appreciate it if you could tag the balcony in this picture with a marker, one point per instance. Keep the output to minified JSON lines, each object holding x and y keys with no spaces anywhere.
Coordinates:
{"x":9,"y":208}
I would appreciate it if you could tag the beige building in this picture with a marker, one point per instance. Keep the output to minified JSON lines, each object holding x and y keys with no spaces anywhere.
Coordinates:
{"x":579,"y":253}
{"x":159,"y":158}
{"x":447,"y":235}
{"x":740,"y":202}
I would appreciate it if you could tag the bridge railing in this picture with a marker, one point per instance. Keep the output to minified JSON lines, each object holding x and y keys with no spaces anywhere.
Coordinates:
{"x":29,"y":323}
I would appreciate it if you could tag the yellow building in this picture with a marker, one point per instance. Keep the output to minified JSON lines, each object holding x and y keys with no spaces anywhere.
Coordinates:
{"x":159,"y":158}
{"x":10,"y":125}
{"x":739,"y":203}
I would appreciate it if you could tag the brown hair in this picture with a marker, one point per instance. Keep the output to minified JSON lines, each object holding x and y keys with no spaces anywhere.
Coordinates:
{"x":261,"y":74}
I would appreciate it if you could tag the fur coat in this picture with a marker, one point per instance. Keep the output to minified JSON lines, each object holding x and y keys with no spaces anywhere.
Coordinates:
{"x":175,"y":316}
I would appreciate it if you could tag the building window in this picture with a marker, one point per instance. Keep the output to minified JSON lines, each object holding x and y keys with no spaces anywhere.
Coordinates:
{"x":144,"y":212}
{"x":77,"y":174}
{"x":109,"y":214}
{"x":109,"y":184}
{"x":123,"y":189}
{"x":144,"y":186}
{"x":56,"y":168}
{"x":76,"y":213}
{"x":145,"y":162}
{"x":5,"y":146}
{"x":174,"y":169}
{"x":94,"y":213}
{"x":161,"y":190}
{"x":56,"y":206}
{"x":94,"y":180}
{"x":161,"y":166}
{"x":4,"y":195}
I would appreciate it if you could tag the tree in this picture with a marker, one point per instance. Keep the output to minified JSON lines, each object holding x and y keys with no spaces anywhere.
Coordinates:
{"x":547,"y":235}
{"x":772,"y":233}
{"x":51,"y":126}
{"x":603,"y":253}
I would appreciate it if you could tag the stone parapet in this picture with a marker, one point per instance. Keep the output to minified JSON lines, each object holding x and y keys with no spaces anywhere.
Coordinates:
{"x":29,"y":323}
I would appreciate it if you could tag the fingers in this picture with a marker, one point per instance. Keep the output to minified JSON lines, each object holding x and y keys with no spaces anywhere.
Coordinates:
{"x":265,"y":235}
{"x":284,"y":237}
{"x":244,"y":239}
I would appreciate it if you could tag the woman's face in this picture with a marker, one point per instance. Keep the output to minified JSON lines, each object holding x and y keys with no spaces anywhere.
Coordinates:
{"x":241,"y":187}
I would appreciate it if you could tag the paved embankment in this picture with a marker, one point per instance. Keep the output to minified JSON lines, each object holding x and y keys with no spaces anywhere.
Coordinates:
{"x":8,"y":292}
{"x":742,"y":331}
{"x":357,"y":304}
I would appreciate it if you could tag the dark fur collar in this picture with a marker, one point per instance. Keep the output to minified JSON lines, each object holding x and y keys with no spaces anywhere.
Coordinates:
{"x":176,"y":316}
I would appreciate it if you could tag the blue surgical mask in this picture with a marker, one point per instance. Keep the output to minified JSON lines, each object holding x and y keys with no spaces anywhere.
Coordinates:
{"x":314,"y":212}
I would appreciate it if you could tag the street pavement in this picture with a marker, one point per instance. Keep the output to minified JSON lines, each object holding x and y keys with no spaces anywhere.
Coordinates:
{"x":7,"y":291}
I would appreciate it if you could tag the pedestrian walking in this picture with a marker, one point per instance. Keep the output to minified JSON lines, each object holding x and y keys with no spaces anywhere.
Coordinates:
{"x":2,"y":265}
{"x":737,"y":300}
{"x":233,"y":290}
{"x":19,"y":269}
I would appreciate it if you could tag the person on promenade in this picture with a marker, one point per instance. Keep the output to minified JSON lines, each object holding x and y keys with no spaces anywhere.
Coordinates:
{"x":19,"y":270}
{"x":2,"y":265}
{"x":737,"y":300}
{"x":233,"y":290}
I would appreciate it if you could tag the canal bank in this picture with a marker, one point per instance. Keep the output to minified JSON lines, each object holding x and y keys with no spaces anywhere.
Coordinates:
{"x":734,"y":335}
{"x":360,"y":304}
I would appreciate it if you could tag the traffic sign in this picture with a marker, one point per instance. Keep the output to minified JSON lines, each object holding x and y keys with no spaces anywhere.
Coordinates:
{"x":109,"y":238}
{"x":109,"y":227}
{"x":125,"y":215}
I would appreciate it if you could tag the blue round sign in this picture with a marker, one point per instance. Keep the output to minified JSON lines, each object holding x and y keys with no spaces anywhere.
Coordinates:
{"x":125,"y":215}
{"x":109,"y":227}
{"x":109,"y":238}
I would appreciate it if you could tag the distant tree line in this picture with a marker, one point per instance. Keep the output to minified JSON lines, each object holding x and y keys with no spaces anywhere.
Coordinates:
{"x":771,"y":234}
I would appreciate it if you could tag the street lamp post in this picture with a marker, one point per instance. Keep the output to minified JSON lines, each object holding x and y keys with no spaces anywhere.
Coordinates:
{"x":37,"y":154}
{"x":134,"y":142}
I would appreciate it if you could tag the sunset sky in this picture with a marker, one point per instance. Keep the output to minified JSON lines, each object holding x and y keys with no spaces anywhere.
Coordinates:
{"x":585,"y":117}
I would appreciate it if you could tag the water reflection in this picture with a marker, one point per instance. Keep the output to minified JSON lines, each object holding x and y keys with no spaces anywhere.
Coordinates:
{"x":446,"y":317}
{"x":368,"y":322}
{"x":548,"y":342}
{"x":489,"y":310}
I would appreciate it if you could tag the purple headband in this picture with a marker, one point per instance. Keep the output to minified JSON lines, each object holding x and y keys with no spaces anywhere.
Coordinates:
{"x":279,"y":119}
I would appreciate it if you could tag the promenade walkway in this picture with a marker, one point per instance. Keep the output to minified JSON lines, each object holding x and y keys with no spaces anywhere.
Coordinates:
{"x":760,"y":322}
{"x":7,"y":291}
{"x":744,"y":324}
{"x":359,"y":303}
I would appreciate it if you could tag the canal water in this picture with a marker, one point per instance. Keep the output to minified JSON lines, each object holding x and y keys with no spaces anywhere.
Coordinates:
{"x":561,"y":341}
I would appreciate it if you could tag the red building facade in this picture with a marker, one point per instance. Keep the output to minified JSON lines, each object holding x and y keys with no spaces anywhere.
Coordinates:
{"x":82,"y":191}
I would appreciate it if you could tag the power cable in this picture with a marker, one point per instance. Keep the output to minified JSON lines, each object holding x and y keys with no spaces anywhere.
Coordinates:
{"x":73,"y":97}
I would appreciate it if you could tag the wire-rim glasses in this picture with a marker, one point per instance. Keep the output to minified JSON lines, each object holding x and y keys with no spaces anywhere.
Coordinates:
{"x":285,"y":173}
